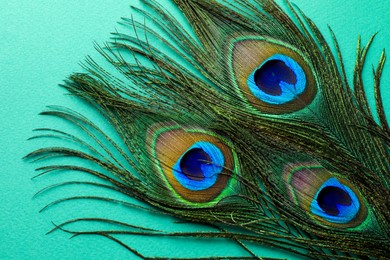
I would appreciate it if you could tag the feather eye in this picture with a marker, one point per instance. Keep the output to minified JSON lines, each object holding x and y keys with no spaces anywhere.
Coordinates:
{"x":328,"y":197}
{"x":196,"y":164}
{"x":272,"y":76}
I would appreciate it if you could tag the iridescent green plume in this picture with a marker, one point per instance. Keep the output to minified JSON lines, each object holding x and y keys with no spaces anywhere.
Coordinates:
{"x":245,"y":123}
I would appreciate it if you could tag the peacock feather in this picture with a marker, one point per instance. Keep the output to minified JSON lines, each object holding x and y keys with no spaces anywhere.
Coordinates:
{"x":246,"y":123}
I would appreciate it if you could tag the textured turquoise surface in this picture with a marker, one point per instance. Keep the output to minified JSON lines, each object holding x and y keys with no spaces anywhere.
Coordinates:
{"x":42,"y":42}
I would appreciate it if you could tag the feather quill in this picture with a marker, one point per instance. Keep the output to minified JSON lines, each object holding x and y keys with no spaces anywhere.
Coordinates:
{"x":250,"y":126}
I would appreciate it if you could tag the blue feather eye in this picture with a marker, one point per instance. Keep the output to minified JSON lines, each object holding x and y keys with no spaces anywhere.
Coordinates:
{"x":195,"y":165}
{"x":278,"y":80}
{"x":273,"y":77}
{"x":328,"y":198}
{"x":198,"y":168}
{"x":335,"y":202}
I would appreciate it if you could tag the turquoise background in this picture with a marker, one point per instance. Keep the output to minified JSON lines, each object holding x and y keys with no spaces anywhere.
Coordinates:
{"x":41,"y":43}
